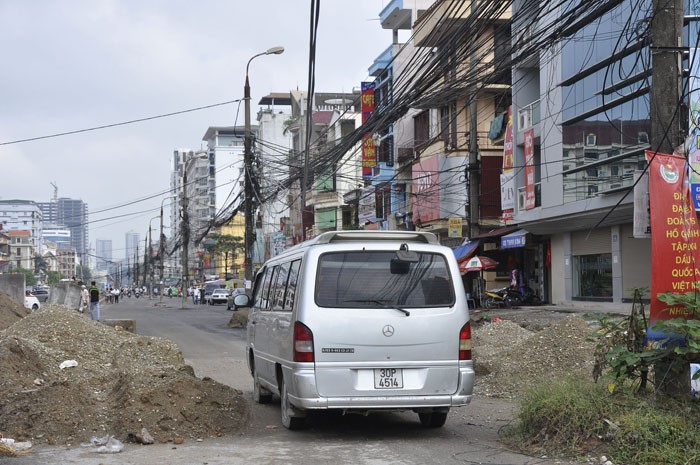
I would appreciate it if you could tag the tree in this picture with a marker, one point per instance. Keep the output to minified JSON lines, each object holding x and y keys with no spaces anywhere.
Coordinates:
{"x":53,"y":277}
{"x":29,"y":277}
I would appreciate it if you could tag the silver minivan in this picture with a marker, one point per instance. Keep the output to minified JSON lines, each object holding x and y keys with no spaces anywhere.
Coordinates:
{"x":361,"y":321}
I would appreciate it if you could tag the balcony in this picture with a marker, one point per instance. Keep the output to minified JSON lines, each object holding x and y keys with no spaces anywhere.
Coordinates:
{"x":382,"y":61}
{"x":445,"y":18}
{"x":529,"y":116}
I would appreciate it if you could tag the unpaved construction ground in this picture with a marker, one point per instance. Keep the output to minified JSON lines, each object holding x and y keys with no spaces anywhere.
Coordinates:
{"x":124,"y":382}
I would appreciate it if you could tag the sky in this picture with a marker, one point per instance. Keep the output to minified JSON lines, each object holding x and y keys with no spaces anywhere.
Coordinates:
{"x":80,"y":64}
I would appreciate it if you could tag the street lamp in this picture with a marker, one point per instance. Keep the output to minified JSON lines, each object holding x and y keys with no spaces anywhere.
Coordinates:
{"x":185,"y":226}
{"x":248,"y":168}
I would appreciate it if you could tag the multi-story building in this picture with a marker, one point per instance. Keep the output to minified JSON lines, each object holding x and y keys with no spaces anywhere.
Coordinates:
{"x":22,"y":250}
{"x":4,"y":250}
{"x":25,"y":215}
{"x":131,"y":245}
{"x":584,"y":104}
{"x":199,"y":169}
{"x":319,"y":206}
{"x":272,"y":147}
{"x":71,"y":214}
{"x":103,"y":252}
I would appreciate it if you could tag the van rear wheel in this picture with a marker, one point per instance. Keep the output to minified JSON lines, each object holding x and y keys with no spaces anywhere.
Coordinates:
{"x":289,"y":412}
{"x":433,"y":420}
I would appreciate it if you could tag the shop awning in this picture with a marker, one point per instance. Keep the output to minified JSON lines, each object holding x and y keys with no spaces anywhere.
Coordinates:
{"x":465,"y":251}
{"x":514,"y":239}
{"x":496,"y":233}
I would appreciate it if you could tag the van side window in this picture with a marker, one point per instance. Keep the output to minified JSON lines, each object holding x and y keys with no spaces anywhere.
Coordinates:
{"x":257,"y":289}
{"x":292,"y":283}
{"x":265,"y":293}
{"x":279,"y":287}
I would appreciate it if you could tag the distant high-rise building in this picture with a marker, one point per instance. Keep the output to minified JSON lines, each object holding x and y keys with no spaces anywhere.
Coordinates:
{"x":103,"y":250}
{"x":71,"y":214}
{"x":131,"y":245}
{"x":22,"y":215}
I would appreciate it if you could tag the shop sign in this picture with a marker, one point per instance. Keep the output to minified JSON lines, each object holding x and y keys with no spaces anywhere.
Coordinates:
{"x":426,"y":202}
{"x":454,"y":227}
{"x":529,"y":169}
{"x":507,"y":176}
{"x":675,"y":238}
{"x":369,"y":149}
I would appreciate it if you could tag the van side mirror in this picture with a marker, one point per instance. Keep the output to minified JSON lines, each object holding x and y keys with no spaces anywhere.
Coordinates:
{"x":242,"y":300}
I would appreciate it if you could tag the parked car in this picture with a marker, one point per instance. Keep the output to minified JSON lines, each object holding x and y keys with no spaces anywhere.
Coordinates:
{"x":31,"y":302}
{"x":41,"y":294}
{"x":219,"y":296}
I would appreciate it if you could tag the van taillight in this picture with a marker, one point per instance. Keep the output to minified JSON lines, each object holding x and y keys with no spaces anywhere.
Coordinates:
{"x":303,"y":343}
{"x":465,"y":342}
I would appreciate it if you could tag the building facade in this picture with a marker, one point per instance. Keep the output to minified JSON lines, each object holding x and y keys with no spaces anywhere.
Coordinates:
{"x":71,"y":214}
{"x":103,"y":252}
{"x":24,"y":215}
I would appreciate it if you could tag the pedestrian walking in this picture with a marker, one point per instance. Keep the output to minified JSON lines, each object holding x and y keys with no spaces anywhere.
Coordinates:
{"x":84,"y":299}
{"x":94,"y":301}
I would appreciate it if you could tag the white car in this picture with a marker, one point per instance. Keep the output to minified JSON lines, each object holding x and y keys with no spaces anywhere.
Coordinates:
{"x":31,"y":302}
{"x":219,"y":296}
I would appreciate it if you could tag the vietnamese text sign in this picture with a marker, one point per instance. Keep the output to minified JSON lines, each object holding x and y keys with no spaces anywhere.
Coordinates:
{"x":508,"y":177}
{"x":369,"y":150}
{"x":675,"y":237}
{"x":529,"y":169}
{"x":454,"y":227}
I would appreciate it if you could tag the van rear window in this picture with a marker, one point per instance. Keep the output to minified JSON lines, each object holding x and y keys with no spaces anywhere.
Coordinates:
{"x":362,"y":279}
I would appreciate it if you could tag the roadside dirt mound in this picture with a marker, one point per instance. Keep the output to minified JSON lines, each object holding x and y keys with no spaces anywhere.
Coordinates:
{"x":509,"y":359}
{"x":122,"y":383}
{"x":239,"y":319}
{"x":10,"y":311}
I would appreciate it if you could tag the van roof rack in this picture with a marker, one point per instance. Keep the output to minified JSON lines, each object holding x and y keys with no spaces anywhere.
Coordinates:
{"x":360,"y":235}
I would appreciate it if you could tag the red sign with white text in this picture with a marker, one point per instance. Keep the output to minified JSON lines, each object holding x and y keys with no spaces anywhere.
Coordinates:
{"x":529,"y":169}
{"x":369,"y":149}
{"x":675,"y":237}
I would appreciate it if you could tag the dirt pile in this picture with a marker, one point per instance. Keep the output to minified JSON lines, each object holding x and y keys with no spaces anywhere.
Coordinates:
{"x":509,"y":359}
{"x":10,"y":311}
{"x":122,"y":383}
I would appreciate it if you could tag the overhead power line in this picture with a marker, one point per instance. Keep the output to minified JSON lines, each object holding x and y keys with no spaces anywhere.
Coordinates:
{"x":124,"y":123}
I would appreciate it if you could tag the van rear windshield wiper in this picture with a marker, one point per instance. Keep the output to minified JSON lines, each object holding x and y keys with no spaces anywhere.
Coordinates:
{"x":382,"y":303}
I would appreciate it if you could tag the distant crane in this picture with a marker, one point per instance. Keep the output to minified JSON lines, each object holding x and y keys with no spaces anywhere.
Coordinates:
{"x":55,"y":191}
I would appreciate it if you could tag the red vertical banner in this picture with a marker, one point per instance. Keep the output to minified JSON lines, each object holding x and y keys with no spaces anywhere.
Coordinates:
{"x":369,"y":150}
{"x":675,"y":238}
{"x":508,"y":176}
{"x":529,"y":169}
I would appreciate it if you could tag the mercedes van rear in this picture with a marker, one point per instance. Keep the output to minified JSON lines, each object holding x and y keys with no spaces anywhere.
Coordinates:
{"x":361,"y":321}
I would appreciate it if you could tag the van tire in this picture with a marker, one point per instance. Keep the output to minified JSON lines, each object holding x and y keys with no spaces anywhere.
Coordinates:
{"x":433,"y":420}
{"x":289,"y":420}
{"x":260,"y":394}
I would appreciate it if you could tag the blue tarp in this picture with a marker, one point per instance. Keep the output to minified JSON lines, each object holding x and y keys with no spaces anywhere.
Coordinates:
{"x":465,"y":251}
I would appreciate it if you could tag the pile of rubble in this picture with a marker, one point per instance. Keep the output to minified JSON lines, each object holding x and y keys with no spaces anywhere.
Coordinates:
{"x":67,"y":379}
{"x":509,"y":359}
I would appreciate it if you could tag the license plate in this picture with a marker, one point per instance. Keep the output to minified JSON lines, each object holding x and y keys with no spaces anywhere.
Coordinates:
{"x":388,"y":378}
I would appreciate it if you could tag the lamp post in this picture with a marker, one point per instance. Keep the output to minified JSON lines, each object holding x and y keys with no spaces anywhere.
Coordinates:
{"x":185,"y":227}
{"x":248,"y":169}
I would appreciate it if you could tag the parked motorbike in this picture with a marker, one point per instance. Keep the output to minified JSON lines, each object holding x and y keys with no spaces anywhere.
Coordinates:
{"x":528,"y":297}
{"x":496,"y":298}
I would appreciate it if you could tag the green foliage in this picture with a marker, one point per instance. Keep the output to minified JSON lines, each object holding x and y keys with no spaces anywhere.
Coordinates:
{"x":53,"y":277}
{"x":575,"y":417}
{"x":564,"y":416}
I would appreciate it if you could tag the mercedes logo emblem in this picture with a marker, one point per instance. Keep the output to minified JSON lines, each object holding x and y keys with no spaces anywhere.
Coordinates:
{"x":388,"y":330}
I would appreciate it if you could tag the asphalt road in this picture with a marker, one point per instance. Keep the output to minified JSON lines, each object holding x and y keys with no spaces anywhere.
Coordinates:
{"x":470,"y":435}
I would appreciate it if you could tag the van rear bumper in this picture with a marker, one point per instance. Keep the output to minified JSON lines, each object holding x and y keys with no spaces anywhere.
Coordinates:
{"x":304,"y":395}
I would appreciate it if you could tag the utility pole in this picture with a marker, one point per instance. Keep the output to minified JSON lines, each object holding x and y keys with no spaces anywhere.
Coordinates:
{"x":161,"y":254}
{"x":666,"y":56}
{"x":185,"y":231}
{"x":665,"y":99}
{"x":473,"y":166}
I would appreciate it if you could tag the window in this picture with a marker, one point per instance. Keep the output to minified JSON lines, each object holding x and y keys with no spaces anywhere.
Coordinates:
{"x":421,"y":128}
{"x":278,"y":287}
{"x":386,"y":150}
{"x":593,"y":276}
{"x":370,"y":279}
{"x":290,"y":295}
{"x":448,"y":125}
{"x":643,"y":138}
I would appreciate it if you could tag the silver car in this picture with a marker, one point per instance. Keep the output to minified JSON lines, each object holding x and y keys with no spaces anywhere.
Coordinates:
{"x":361,"y":321}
